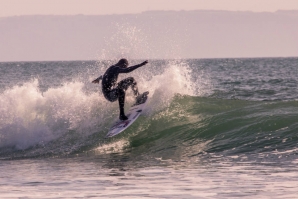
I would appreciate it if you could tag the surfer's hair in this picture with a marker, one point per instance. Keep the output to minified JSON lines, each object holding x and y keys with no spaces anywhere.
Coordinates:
{"x":123,"y":62}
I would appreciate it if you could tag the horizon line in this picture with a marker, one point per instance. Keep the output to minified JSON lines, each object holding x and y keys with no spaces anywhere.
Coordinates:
{"x":87,"y":60}
{"x":148,"y":11}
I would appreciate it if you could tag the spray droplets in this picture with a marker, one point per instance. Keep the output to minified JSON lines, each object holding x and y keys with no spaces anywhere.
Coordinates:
{"x":127,"y":41}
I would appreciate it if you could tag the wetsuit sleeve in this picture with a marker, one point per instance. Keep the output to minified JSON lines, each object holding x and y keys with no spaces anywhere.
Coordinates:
{"x":129,"y":69}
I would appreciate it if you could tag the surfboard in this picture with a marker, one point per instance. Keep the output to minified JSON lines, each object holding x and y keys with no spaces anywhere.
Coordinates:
{"x":133,"y":113}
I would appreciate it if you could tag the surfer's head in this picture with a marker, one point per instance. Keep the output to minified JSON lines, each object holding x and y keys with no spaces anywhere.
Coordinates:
{"x":123,"y":63}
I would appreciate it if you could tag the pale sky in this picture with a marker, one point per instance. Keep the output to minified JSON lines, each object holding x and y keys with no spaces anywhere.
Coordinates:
{"x":103,"y":7}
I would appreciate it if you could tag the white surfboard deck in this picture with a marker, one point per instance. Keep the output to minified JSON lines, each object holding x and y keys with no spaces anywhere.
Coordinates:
{"x":133,"y":113}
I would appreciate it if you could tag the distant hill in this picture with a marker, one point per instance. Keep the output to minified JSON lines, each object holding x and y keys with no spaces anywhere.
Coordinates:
{"x":152,"y":34}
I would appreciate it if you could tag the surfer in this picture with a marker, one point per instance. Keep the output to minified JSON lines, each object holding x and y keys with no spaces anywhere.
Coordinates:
{"x":113,"y":90}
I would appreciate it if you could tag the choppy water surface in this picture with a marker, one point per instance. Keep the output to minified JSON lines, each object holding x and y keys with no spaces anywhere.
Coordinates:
{"x":214,"y":128}
{"x":84,"y":179}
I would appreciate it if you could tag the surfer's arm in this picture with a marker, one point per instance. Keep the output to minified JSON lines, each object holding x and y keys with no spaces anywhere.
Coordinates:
{"x":131,"y":68}
{"x":96,"y":81}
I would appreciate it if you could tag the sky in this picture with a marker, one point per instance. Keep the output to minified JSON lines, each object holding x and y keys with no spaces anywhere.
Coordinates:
{"x":107,"y":7}
{"x":196,"y":34}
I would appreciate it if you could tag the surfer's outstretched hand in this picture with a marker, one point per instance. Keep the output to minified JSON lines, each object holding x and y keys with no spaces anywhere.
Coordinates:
{"x":144,"y":63}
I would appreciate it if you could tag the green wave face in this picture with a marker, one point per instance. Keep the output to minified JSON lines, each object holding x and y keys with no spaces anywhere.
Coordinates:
{"x":193,"y":127}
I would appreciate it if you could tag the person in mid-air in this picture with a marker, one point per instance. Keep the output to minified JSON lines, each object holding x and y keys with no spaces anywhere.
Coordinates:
{"x":113,"y":90}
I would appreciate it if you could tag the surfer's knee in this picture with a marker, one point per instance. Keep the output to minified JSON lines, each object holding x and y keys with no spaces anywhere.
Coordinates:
{"x":131,"y":79}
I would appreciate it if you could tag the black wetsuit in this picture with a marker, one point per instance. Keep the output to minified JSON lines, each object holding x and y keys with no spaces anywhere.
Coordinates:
{"x":113,"y":90}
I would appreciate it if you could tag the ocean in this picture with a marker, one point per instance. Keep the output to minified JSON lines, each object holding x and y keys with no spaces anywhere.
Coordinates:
{"x":212,"y":128}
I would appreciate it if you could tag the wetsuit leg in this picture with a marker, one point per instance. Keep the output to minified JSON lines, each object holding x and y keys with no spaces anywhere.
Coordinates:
{"x":111,"y":95}
{"x":122,"y":87}
{"x":121,"y":100}
{"x":130,"y":81}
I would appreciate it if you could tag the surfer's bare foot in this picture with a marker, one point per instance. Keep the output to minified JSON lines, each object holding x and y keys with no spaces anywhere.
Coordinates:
{"x":123,"y":117}
{"x":142,"y":97}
